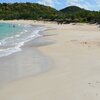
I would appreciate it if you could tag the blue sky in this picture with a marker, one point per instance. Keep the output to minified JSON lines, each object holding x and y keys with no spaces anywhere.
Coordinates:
{"x":59,"y":4}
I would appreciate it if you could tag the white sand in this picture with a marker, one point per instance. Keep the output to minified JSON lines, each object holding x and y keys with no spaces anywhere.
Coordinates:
{"x":76,"y":71}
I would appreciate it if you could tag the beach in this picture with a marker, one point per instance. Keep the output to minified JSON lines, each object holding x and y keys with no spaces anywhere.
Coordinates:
{"x":65,"y":60}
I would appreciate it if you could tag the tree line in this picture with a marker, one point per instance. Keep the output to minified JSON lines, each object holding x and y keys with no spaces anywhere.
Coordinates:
{"x":34,"y":11}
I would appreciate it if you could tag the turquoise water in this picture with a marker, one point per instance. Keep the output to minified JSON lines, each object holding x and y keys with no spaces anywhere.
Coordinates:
{"x":7,"y":30}
{"x":14,"y":36}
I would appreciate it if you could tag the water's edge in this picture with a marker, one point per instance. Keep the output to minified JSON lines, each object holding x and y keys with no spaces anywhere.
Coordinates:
{"x":13,"y":44}
{"x":27,"y":63}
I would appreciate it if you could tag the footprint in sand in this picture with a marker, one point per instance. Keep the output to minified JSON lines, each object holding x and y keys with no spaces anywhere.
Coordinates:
{"x":95,"y":84}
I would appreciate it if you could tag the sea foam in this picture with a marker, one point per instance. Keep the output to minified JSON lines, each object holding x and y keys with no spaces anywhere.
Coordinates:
{"x":13,"y":44}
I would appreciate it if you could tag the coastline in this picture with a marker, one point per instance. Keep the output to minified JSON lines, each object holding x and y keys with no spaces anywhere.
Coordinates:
{"x":75,"y":73}
{"x":27,"y":62}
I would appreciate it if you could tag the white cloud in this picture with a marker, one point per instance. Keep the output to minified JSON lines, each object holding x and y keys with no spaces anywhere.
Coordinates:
{"x":51,"y":3}
{"x":80,"y":3}
{"x":97,"y":3}
{"x":87,"y":4}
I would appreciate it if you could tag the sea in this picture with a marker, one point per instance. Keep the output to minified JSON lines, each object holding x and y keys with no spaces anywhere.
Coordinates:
{"x":14,"y":36}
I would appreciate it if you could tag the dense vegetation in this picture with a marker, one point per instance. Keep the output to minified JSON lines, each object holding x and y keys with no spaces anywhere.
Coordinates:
{"x":26,"y":11}
{"x":72,"y":9}
{"x":76,"y":14}
{"x":35,"y":11}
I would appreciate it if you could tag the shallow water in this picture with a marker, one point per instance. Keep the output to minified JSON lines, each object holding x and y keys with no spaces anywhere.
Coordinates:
{"x":14,"y":36}
{"x":7,"y":30}
{"x":26,"y":63}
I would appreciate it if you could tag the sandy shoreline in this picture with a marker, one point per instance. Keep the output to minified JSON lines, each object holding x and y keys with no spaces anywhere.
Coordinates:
{"x":76,"y":66}
{"x":28,"y":62}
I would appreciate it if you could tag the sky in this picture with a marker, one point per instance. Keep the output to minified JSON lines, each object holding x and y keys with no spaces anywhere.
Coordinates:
{"x":59,"y":4}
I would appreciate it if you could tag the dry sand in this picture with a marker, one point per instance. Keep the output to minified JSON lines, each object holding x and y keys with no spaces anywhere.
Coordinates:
{"x":75,"y":74}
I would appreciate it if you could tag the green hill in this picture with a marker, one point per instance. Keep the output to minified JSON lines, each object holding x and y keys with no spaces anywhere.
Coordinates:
{"x":77,"y":14}
{"x":72,"y":9}
{"x":26,"y":11}
{"x":34,"y":11}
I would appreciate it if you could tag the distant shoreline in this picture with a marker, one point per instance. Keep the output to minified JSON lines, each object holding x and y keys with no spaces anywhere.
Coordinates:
{"x":36,"y":11}
{"x":22,"y":21}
